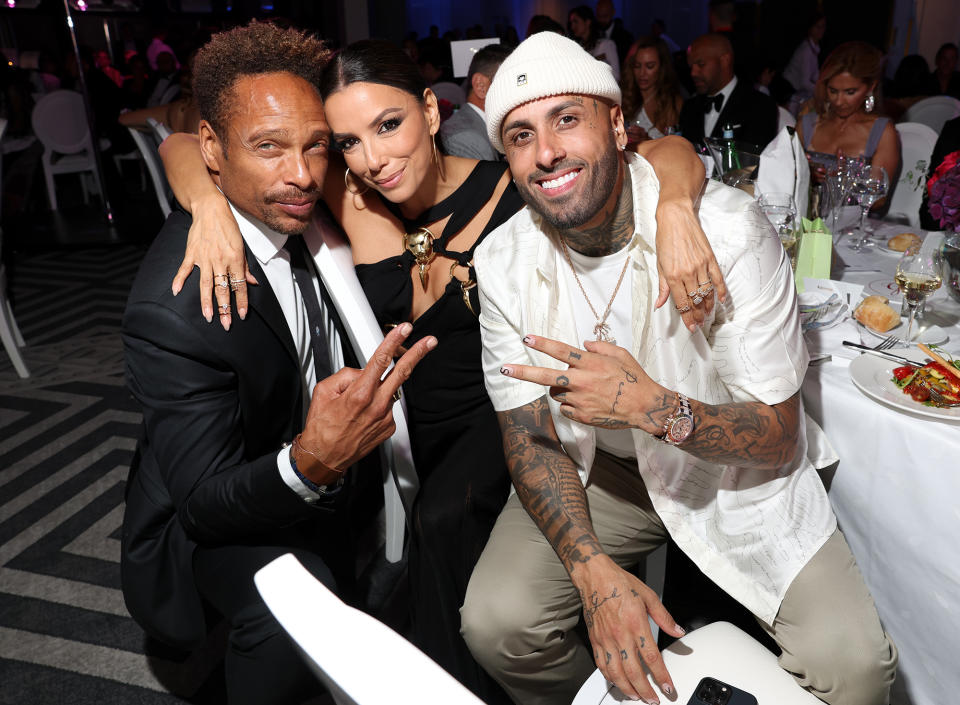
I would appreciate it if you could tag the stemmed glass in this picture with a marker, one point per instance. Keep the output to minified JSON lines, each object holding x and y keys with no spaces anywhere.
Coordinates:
{"x":919,"y":274}
{"x":870,"y":184}
{"x":782,"y":212}
{"x":839,"y":182}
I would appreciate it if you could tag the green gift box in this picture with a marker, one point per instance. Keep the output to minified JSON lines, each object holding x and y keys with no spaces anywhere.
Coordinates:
{"x":815,"y":254}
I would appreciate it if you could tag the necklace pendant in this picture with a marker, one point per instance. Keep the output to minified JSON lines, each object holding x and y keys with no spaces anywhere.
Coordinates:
{"x":424,"y":268}
{"x":602,"y":331}
{"x":420,"y":245}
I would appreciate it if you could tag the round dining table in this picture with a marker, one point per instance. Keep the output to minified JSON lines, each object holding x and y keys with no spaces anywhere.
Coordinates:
{"x":896,"y":490}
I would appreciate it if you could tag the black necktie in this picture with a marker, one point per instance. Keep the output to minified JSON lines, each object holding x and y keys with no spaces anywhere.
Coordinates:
{"x":318,"y":334}
{"x":713,"y":102}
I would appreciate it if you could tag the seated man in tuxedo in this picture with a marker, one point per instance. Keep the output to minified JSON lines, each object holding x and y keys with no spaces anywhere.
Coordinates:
{"x":464,"y":133}
{"x":216,"y":489}
{"x":721,"y":99}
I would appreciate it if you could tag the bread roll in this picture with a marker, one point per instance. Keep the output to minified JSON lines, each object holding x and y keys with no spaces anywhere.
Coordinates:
{"x":875,"y":314}
{"x":903,"y":241}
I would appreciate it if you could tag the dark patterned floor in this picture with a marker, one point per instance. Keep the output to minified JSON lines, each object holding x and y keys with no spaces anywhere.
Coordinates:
{"x":67,"y":435}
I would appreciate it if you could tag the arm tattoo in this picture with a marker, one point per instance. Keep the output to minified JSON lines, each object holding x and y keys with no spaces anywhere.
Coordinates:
{"x":748,"y":434}
{"x":613,"y":233}
{"x":548,"y":483}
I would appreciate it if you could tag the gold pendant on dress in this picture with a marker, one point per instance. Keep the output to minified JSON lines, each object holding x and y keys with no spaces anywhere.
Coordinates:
{"x":420,"y":245}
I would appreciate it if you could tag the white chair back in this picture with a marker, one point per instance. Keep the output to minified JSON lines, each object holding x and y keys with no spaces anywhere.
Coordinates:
{"x":446,"y":90}
{"x":916,"y":145}
{"x":60,"y":122}
{"x":719,"y":650}
{"x":933,"y":111}
{"x":331,"y":635}
{"x":148,"y":150}
{"x":785,"y":119}
{"x":160,"y":131}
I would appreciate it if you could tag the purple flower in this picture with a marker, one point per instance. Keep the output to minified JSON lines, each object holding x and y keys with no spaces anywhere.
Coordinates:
{"x":944,"y":199}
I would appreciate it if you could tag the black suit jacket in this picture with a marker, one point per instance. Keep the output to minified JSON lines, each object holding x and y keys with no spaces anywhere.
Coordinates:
{"x":217,"y":408}
{"x":754,"y":112}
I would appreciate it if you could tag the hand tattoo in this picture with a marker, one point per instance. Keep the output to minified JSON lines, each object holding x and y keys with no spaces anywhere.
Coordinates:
{"x":563,"y":381}
{"x":623,"y":654}
{"x":575,"y":355}
{"x":616,"y":400}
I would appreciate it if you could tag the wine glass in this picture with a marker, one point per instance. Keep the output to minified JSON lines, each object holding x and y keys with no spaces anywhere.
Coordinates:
{"x":919,"y":274}
{"x":869,"y":185}
{"x":781,"y":211}
{"x":837,"y":185}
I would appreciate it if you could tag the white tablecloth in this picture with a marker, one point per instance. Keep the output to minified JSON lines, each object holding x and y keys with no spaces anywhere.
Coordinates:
{"x":896,"y":494}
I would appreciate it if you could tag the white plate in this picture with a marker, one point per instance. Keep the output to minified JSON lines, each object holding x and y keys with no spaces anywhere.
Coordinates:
{"x":874,"y":375}
{"x":931,"y":335}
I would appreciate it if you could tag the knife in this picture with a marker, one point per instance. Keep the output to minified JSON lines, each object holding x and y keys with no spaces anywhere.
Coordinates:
{"x":881,"y":353}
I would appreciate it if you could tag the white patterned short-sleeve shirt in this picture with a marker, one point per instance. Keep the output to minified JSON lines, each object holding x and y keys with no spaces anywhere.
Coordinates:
{"x":750,"y":531}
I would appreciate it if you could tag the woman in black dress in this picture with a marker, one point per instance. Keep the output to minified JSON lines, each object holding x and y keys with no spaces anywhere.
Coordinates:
{"x":393,"y":180}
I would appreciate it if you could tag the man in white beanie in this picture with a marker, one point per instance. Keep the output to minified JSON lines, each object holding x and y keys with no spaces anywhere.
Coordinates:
{"x":647,"y":429}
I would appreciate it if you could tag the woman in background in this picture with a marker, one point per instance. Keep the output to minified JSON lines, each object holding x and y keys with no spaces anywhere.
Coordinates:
{"x":844,"y":119}
{"x":651,"y":91}
{"x":583,"y":29}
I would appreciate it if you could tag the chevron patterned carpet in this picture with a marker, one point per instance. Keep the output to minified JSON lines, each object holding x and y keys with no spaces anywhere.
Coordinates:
{"x":67,"y":434}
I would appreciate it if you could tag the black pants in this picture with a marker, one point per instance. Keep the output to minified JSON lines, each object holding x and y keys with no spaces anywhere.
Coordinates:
{"x":261,"y":665}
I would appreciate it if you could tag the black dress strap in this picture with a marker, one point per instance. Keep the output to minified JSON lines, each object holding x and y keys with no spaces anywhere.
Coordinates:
{"x":460,"y":206}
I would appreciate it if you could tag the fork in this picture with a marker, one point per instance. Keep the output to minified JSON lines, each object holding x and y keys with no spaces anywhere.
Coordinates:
{"x":887,"y":343}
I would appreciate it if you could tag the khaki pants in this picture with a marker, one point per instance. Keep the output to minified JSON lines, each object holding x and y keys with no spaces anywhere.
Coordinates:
{"x":520,"y":610}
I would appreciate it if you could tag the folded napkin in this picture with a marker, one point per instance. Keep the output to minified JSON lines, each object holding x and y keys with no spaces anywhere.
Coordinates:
{"x":784,"y":169}
{"x":829,"y":339}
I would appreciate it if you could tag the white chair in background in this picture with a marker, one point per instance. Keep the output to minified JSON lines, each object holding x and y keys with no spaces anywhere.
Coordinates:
{"x":9,"y":332}
{"x":446,"y":90}
{"x":785,"y":119}
{"x":60,"y":123}
{"x":148,"y":150}
{"x":360,"y":660}
{"x":159,"y":130}
{"x":933,"y":111}
{"x":916,"y":145}
{"x":719,"y":650}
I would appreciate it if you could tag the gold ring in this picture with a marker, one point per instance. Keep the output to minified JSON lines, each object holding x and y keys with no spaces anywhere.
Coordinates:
{"x":396,"y":396}
{"x":683,"y":309}
{"x":709,"y":281}
{"x":224,"y":309}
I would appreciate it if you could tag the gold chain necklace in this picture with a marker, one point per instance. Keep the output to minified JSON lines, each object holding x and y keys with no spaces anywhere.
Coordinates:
{"x":601,"y":329}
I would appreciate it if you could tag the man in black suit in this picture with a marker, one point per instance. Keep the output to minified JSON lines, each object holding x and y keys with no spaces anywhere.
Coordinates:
{"x":214,"y":492}
{"x":721,"y":99}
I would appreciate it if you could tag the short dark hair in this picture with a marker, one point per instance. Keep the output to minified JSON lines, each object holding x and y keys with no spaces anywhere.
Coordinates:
{"x":257,"y":48}
{"x":488,"y":60}
{"x":373,"y":61}
{"x":946,"y":47}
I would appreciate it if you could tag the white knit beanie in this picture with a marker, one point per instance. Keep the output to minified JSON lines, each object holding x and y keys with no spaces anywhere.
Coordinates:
{"x":545,"y":64}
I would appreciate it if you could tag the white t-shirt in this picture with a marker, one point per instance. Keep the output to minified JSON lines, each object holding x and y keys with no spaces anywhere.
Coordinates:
{"x":599,"y":277}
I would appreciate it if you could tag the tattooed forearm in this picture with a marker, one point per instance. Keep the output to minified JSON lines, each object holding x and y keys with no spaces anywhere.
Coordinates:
{"x":613,"y":234}
{"x":548,"y":483}
{"x":748,"y":434}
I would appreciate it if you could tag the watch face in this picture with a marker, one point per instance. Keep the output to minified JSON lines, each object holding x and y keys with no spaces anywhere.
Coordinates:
{"x":680,"y":429}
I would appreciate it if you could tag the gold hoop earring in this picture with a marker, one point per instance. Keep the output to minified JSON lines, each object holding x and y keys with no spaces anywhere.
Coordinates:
{"x":346,"y":185}
{"x":436,"y":155}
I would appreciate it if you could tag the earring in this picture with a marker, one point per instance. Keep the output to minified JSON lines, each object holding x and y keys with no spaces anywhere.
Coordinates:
{"x":436,"y":156}
{"x":869,"y":103}
{"x":346,"y":185}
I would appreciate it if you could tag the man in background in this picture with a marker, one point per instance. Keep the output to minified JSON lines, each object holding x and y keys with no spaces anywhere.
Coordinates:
{"x":464,"y":134}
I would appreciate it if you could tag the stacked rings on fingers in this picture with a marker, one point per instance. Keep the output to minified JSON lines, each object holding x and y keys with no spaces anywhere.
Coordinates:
{"x":683,"y":309}
{"x":235,"y":284}
{"x":396,"y":396}
{"x":221,"y":280}
{"x":224,"y":309}
{"x":696,"y":297}
{"x":705,"y":291}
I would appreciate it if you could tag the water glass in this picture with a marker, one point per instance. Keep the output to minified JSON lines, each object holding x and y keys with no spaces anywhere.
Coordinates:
{"x":869,"y":186}
{"x":781,"y":211}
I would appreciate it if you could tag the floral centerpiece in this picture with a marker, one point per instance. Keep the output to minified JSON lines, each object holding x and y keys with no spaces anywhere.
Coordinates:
{"x":943,"y":201}
{"x":943,"y":192}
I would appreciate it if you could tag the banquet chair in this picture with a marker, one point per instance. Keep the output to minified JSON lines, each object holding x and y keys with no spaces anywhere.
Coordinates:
{"x":159,"y":130}
{"x":719,"y":650}
{"x":148,"y":150}
{"x":60,"y":123}
{"x":933,"y":111}
{"x":332,"y":636}
{"x":447,"y":90}
{"x":9,"y":332}
{"x":916,"y":145}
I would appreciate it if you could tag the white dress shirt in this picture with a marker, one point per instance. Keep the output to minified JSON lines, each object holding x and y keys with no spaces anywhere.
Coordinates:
{"x":711,"y":117}
{"x":267,"y":246}
{"x":750,"y":531}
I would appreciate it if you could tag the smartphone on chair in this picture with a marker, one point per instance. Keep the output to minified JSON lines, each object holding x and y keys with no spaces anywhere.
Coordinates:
{"x":710,"y":691}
